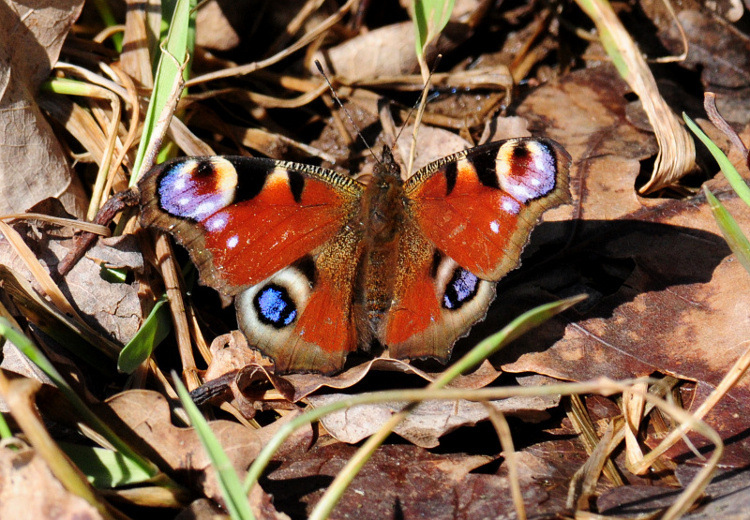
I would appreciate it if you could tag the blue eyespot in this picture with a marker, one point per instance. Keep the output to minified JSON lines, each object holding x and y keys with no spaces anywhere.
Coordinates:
{"x":274,"y":306}
{"x":461,"y":289}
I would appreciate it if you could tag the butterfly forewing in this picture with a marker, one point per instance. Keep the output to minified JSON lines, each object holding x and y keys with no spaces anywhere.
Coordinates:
{"x":478,"y":206}
{"x":243,"y":219}
{"x":275,"y":234}
{"x":471,"y":215}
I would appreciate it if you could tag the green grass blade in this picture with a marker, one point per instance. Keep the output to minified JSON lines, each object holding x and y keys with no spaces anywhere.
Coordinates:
{"x":231,"y":487}
{"x":175,"y":53}
{"x":35,"y":355}
{"x":5,"y":432}
{"x":430,"y":18}
{"x":730,"y":172}
{"x":153,"y":331}
{"x":104,"y":468}
{"x":734,"y":236}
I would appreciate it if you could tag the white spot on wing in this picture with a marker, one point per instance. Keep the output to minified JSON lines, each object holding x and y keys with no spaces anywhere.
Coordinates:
{"x":180,"y":184}
{"x":535,"y":181}
{"x":233,"y":241}
{"x":511,"y":206}
{"x":495,"y":226}
{"x":216,"y":223}
{"x":206,"y":208}
{"x":184,"y":201}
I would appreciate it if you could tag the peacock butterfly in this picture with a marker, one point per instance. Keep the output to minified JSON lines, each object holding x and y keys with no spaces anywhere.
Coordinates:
{"x":321,"y":264}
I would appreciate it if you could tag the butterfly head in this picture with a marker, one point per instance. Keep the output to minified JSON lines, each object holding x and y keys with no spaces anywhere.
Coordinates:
{"x":388,"y":166}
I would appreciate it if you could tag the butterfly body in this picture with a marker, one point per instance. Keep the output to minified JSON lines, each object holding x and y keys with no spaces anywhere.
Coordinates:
{"x":321,"y":264}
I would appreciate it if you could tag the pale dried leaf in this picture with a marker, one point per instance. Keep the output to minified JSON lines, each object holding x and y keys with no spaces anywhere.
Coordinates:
{"x":29,"y":490}
{"x":146,"y":414}
{"x":33,"y":165}
{"x":429,"y":421}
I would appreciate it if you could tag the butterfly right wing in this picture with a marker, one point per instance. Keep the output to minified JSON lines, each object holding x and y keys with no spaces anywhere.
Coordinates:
{"x":470,"y":216}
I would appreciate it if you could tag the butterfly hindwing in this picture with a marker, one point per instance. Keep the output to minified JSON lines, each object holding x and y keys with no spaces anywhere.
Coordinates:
{"x":243,"y":219}
{"x":479,"y":206}
{"x":435,"y":301}
{"x":301,"y":316}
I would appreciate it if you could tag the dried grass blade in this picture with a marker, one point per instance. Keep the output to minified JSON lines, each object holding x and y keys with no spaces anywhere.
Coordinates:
{"x":676,"y":155}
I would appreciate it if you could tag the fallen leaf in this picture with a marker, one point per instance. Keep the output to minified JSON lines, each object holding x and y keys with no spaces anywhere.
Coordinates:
{"x":427,"y":422}
{"x":728,"y":494}
{"x":390,"y":51}
{"x":654,"y":319}
{"x":146,"y":419}
{"x":400,"y":480}
{"x":113,"y":309}
{"x":31,"y":36}
{"x":29,"y":490}
{"x":586,"y":112}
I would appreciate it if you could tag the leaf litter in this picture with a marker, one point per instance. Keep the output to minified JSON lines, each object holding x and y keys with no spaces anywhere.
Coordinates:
{"x":665,"y":294}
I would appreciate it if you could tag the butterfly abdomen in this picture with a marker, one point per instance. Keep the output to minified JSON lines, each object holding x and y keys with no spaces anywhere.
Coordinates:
{"x":382,"y":215}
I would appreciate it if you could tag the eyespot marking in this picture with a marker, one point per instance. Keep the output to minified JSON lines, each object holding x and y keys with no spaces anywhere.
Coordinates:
{"x":461,"y":289}
{"x":274,"y":306}
{"x":527,"y":170}
{"x":196,"y":189}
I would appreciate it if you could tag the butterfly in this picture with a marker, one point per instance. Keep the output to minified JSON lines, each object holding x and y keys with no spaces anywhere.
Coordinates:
{"x":321,"y":264}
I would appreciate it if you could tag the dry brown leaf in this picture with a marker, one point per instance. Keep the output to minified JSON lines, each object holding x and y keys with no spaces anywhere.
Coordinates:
{"x":722,"y":55}
{"x":232,"y":353}
{"x":586,"y":112}
{"x":33,"y":166}
{"x":398,"y":481}
{"x":499,"y":128}
{"x":29,"y":490}
{"x":675,"y":304}
{"x":427,"y":422}
{"x":215,"y":24}
{"x":432,"y":144}
{"x":112,"y":308}
{"x":146,"y":419}
{"x":389,"y":50}
{"x":202,"y":509}
{"x":728,"y":494}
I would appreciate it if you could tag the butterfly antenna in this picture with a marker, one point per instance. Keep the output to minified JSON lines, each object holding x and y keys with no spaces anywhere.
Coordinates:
{"x":348,"y":115}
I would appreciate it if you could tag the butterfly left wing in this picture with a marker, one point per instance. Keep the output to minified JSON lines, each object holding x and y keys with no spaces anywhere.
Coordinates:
{"x":470,"y":214}
{"x":276,"y":234}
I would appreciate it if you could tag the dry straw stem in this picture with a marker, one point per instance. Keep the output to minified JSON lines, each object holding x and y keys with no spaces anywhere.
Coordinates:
{"x":30,"y":303}
{"x":71,"y":223}
{"x":38,"y":271}
{"x":582,"y":423}
{"x":98,"y":88}
{"x":584,"y":481}
{"x":676,"y":155}
{"x":633,"y":407}
{"x":500,"y":423}
{"x":730,"y":379}
{"x":172,"y":283}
